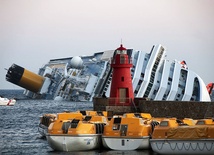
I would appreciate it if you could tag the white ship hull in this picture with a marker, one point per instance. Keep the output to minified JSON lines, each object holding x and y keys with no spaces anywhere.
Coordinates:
{"x":200,"y":146}
{"x":126,"y":143}
{"x":7,"y":102}
{"x":74,"y":143}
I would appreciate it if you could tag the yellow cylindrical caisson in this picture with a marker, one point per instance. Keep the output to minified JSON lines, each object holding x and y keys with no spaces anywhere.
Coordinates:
{"x":31,"y":81}
{"x":24,"y":78}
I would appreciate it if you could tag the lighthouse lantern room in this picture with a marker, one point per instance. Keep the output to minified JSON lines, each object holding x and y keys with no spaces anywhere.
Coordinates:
{"x":121,"y":86}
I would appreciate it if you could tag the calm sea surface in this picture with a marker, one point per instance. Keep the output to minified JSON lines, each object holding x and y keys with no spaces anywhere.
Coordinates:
{"x":19,"y":126}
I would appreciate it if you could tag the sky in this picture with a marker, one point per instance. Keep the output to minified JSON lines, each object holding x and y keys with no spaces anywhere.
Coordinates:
{"x":34,"y":31}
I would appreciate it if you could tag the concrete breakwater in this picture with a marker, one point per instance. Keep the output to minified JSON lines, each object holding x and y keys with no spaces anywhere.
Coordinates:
{"x":178,"y":109}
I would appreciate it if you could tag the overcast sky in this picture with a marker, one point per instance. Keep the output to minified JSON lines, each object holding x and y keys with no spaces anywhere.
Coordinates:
{"x":34,"y":31}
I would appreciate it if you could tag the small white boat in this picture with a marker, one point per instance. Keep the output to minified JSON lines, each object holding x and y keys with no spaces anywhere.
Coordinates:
{"x":6,"y":101}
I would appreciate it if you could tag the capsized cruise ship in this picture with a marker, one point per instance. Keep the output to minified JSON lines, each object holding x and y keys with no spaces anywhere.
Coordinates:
{"x":80,"y":78}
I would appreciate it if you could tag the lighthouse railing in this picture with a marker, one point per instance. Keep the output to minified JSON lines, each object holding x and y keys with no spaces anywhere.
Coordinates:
{"x":124,"y":60}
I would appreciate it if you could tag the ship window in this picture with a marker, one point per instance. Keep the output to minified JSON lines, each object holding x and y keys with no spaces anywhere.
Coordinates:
{"x":122,"y":59}
{"x":74,"y":123}
{"x":65,"y":127}
{"x":137,"y":115}
{"x":164,"y":123}
{"x":123,"y":142}
{"x":100,"y":113}
{"x":200,"y":123}
{"x":150,"y":85}
{"x":83,"y":112}
{"x":182,"y":91}
{"x":142,"y":74}
{"x":117,"y":120}
{"x":87,"y":118}
{"x":116,"y":127}
{"x":140,"y":81}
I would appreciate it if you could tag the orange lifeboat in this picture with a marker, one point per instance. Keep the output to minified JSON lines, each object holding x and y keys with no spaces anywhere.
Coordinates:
{"x":176,"y":137}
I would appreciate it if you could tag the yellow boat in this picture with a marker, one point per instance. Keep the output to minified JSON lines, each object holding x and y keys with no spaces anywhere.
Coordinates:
{"x":186,"y":136}
{"x":126,"y":133}
{"x":47,"y":119}
{"x":206,"y":121}
{"x":75,"y":134}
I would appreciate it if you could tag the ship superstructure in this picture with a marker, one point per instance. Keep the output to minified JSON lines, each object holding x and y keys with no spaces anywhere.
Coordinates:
{"x":81,"y":78}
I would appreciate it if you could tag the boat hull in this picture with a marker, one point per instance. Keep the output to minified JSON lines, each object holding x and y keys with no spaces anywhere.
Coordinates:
{"x":43,"y":130}
{"x":74,"y":143}
{"x":7,"y":102}
{"x":126,"y":143}
{"x":202,"y":146}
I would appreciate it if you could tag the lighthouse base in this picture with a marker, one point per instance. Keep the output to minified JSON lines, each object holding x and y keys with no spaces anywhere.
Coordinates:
{"x":102,"y":104}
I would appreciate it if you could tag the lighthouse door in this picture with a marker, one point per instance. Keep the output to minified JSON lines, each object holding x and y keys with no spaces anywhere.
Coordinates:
{"x":122,"y":95}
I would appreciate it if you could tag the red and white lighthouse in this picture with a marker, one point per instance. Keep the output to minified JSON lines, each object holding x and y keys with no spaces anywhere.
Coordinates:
{"x":121,"y":86}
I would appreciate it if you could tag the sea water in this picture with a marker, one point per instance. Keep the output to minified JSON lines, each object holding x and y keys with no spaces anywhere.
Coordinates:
{"x":19,"y":127}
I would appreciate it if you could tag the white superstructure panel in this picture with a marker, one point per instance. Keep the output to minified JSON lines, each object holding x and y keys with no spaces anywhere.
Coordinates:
{"x":99,"y":77}
{"x":45,"y":86}
{"x":108,"y":90}
{"x":204,"y":95}
{"x":138,"y":69}
{"x":148,"y":70}
{"x":48,"y":70}
{"x":189,"y":86}
{"x":164,"y":81}
{"x":175,"y":81}
{"x":91,"y":82}
{"x":157,"y":78}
